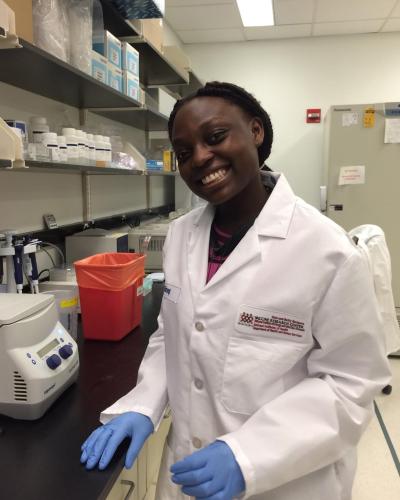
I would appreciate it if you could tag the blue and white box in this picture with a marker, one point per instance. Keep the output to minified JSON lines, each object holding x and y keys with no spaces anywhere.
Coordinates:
{"x":114,"y":77}
{"x":156,"y":165}
{"x":130,"y":85}
{"x":99,"y":67}
{"x":130,"y":59}
{"x":110,"y":48}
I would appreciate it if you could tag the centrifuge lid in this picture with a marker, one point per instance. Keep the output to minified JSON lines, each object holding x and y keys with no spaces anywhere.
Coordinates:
{"x":14,"y":306}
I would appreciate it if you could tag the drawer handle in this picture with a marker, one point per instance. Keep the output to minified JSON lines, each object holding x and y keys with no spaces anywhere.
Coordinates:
{"x":131,"y":485}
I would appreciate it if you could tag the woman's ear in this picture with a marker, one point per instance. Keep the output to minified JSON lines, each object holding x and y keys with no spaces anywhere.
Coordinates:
{"x":257,"y":129}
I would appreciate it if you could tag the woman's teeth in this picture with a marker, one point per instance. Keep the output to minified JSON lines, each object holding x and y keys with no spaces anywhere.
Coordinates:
{"x":219,"y":174}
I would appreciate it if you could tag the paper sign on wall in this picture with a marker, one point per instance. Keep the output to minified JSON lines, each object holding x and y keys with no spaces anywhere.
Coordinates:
{"x":349,"y":119}
{"x":369,"y":118}
{"x":392,"y":130}
{"x":352,"y":175}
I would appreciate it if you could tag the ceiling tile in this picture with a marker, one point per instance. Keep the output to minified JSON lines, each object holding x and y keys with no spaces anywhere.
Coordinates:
{"x":194,"y":3}
{"x":293,"y":11}
{"x":211,"y":36}
{"x":287,"y":31}
{"x":347,"y":10}
{"x":204,"y":17}
{"x":392,"y":25}
{"x":347,"y":27}
{"x":396,"y":12}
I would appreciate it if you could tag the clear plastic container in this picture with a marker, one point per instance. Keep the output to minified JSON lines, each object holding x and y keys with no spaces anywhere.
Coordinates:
{"x":51,"y":143}
{"x":62,"y":149}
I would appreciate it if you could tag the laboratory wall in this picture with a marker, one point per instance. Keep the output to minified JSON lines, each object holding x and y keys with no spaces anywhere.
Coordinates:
{"x":288,"y":76}
{"x":26,"y":196}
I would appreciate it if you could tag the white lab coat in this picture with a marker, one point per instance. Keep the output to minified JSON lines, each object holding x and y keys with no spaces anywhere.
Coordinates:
{"x":377,"y":251}
{"x":279,"y":355}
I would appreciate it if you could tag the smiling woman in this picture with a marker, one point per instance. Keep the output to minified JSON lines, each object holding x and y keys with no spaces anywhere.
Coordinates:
{"x":224,"y":137}
{"x":268,"y":351}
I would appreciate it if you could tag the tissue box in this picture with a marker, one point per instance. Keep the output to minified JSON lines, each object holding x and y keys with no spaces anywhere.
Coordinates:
{"x":99,"y":67}
{"x":110,"y":48}
{"x":114,"y":77}
{"x":130,"y":85}
{"x":130,"y":59}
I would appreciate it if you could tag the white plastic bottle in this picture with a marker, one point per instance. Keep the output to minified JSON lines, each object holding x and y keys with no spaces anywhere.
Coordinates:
{"x":81,"y":147}
{"x":38,"y":128}
{"x":72,"y":144}
{"x":62,"y":149}
{"x":99,"y":148}
{"x":92,"y":148}
{"x":108,"y":151}
{"x":51,"y":143}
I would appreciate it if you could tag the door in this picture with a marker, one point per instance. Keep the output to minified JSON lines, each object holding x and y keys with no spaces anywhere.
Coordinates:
{"x":377,"y":201}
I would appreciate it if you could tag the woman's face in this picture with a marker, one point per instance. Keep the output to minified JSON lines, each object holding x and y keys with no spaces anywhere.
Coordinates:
{"x":216,"y":147}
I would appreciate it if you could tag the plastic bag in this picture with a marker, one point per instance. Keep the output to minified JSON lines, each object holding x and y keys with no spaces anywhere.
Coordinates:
{"x":110,"y":271}
{"x":50,"y":27}
{"x":80,"y":32}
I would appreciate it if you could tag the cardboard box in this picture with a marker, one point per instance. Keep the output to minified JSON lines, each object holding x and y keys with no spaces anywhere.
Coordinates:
{"x":152,"y":30}
{"x":130,"y":59}
{"x":110,"y":48}
{"x":23,"y":18}
{"x":114,"y":77}
{"x":99,"y":67}
{"x":130,"y":85}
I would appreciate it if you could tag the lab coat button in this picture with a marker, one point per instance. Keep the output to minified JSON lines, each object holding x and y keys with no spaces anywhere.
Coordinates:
{"x":198,"y":383}
{"x":199,"y":326}
{"x":197,"y":442}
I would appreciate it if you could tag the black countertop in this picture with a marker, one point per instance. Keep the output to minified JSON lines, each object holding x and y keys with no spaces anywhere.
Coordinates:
{"x":39,"y":460}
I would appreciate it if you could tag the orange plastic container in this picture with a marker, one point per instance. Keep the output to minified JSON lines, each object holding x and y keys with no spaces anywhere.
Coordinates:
{"x":110,"y":294}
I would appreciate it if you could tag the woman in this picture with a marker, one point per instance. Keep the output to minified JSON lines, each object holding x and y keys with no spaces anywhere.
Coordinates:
{"x":268,"y":348}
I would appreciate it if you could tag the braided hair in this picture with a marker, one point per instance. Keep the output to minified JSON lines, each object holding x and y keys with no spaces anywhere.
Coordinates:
{"x":238,"y":96}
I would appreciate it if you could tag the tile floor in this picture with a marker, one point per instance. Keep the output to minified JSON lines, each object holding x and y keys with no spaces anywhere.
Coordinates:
{"x":377,"y":476}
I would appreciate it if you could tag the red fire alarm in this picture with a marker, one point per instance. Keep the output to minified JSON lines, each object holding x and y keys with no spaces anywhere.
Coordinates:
{"x":313,"y":115}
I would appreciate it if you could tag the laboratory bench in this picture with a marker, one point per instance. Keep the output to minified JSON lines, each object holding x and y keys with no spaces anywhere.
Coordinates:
{"x":39,"y":460}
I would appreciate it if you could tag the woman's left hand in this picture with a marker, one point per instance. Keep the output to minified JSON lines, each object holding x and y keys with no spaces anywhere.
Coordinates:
{"x":210,"y":474}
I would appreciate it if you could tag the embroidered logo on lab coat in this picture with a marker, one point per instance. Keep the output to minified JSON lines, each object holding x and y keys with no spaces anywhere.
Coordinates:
{"x":269,"y":323}
{"x":171,"y":292}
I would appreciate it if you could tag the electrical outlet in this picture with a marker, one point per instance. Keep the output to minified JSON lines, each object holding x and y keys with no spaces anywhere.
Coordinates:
{"x":50,"y":221}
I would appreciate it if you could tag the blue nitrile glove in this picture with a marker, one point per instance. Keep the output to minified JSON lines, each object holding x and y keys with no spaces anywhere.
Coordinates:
{"x":210,"y":474}
{"x":100,"y":446}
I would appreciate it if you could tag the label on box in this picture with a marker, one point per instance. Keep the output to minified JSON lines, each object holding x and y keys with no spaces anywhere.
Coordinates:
{"x":114,"y":55}
{"x":114,"y":79}
{"x":99,"y":71}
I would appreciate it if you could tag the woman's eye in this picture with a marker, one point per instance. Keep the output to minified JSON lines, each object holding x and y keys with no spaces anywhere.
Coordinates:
{"x":217,"y":137}
{"x":182,"y":156}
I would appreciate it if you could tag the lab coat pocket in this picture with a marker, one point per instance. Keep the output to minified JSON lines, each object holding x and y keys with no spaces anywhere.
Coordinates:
{"x":254,"y":371}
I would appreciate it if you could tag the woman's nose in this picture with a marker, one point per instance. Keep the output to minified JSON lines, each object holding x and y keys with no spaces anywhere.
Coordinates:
{"x":201,"y":155}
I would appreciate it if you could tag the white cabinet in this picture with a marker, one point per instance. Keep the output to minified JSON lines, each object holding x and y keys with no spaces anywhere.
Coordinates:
{"x":139,"y":482}
{"x":126,"y":486}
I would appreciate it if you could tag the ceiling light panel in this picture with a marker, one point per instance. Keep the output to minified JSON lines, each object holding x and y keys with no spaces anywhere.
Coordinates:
{"x":256,"y":12}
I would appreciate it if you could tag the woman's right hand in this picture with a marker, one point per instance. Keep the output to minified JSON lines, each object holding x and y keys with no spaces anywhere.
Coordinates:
{"x":102,"y":443}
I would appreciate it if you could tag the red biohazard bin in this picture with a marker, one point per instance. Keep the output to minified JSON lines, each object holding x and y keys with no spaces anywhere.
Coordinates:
{"x":110,"y":294}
